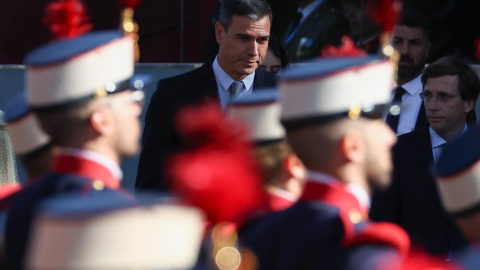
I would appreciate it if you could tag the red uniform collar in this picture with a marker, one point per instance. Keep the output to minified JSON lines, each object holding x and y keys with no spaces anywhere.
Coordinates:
{"x":278,"y":203}
{"x":335,"y":194}
{"x":87,"y":168}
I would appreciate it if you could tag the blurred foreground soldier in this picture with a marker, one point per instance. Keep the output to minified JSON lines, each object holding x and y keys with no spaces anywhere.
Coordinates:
{"x":331,"y":111}
{"x":80,"y":90}
{"x":459,"y":187}
{"x":105,"y":233}
{"x":450,"y":90}
{"x":218,"y":175}
{"x":243,"y":31}
{"x":283,"y":172}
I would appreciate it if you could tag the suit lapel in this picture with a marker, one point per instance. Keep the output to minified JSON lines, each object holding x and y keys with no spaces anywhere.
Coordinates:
{"x":263,"y":79}
{"x":422,"y":118}
{"x":208,"y":84}
{"x":423,"y":161}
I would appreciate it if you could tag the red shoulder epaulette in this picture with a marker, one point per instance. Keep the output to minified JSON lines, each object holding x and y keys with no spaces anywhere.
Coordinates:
{"x":8,"y":192}
{"x":381,"y":233}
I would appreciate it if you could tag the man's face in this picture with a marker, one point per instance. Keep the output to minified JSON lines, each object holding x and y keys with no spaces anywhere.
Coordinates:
{"x":379,"y":140}
{"x":243,"y":47}
{"x":413,"y":47}
{"x":446,"y":110}
{"x":126,"y":108}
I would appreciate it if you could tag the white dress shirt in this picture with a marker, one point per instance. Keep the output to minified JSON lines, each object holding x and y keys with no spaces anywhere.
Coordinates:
{"x":411,"y":103}
{"x":224,"y":81}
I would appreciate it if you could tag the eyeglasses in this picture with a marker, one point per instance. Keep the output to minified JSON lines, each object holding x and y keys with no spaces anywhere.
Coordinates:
{"x":442,"y":97}
{"x":137,"y":96}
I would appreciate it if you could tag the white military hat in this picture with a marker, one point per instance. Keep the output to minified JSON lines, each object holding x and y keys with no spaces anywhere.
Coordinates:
{"x":23,"y":127}
{"x":331,"y":88}
{"x":67,"y":71}
{"x":108,"y":233}
{"x":261,"y":112}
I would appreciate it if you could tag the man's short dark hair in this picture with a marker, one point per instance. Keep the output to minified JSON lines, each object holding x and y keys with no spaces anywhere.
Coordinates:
{"x":253,"y":9}
{"x":468,"y":81}
{"x":413,"y":18}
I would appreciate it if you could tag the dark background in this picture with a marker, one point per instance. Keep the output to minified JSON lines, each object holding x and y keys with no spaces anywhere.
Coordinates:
{"x":455,"y":26}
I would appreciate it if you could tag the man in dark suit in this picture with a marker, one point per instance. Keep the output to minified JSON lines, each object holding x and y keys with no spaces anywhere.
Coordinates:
{"x":411,"y":38}
{"x":450,"y":90}
{"x":317,"y":24}
{"x":242,"y":32}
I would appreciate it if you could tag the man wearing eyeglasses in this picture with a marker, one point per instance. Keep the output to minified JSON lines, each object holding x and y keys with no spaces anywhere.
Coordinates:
{"x":450,"y":89}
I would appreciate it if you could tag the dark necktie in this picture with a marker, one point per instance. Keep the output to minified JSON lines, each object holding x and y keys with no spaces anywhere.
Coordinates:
{"x":235,"y":88}
{"x":394,"y":112}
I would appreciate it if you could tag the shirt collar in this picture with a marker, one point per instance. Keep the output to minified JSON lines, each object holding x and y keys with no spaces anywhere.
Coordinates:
{"x":283,"y":193}
{"x":111,"y":165}
{"x":414,"y":87}
{"x":437,"y":140}
{"x":309,"y":9}
{"x":356,"y":190}
{"x":225,"y":80}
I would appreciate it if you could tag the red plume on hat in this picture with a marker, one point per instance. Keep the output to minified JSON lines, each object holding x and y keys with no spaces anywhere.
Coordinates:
{"x":217,"y":173}
{"x":385,"y":12}
{"x":67,"y":19}
{"x":347,"y":48}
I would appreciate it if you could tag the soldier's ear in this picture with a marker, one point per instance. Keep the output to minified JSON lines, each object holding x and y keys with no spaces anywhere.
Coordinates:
{"x":352,"y":146}
{"x":294,"y":166}
{"x":100,"y":121}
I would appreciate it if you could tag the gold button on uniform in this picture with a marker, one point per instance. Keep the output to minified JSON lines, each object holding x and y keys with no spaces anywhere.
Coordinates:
{"x":355,"y":216}
{"x":98,"y":185}
{"x":228,"y":258}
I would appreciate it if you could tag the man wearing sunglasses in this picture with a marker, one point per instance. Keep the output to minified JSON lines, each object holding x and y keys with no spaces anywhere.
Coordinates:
{"x":450,"y":89}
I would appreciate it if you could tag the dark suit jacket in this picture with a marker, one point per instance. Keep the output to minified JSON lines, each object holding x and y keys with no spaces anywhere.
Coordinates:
{"x":159,"y":135}
{"x":324,"y":26}
{"x":412,"y":199}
